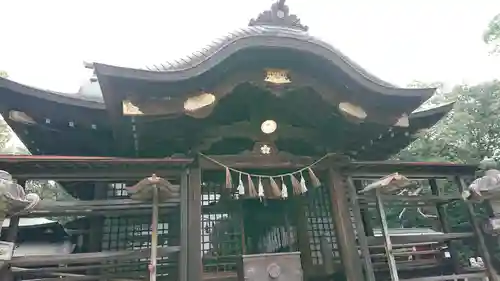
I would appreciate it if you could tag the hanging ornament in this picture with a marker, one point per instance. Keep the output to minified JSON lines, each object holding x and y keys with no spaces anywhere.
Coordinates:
{"x":303,"y":187}
{"x":275,"y":190}
{"x":295,"y":185}
{"x":229,"y":180}
{"x":260,"y":189}
{"x":284,"y":189}
{"x":251,"y":187}
{"x":241,"y":187}
{"x":314,"y":179}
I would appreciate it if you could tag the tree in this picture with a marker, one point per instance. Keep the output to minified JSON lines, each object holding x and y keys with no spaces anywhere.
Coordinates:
{"x":492,"y":34}
{"x":468,"y":134}
{"x":5,"y":136}
{"x":3,"y":74}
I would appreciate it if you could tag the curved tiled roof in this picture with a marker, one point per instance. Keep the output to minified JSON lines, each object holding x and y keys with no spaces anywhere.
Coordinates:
{"x":272,"y":28}
{"x":219,"y":44}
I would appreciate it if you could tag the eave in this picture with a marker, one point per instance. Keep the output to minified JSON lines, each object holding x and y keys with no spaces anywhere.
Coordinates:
{"x":395,"y":139}
{"x":11,"y":90}
{"x":57,"y":121}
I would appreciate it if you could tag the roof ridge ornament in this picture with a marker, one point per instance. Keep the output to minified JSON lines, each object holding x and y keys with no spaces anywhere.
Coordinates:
{"x":278,"y":15}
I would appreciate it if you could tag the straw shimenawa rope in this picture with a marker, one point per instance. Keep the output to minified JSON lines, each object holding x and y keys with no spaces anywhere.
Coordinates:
{"x":274,"y":191}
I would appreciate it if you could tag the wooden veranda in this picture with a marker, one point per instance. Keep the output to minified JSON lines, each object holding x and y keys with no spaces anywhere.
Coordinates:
{"x":353,"y":244}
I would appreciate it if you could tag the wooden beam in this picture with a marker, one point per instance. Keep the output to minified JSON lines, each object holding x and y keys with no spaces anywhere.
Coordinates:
{"x":194,"y":224}
{"x":467,"y":276}
{"x":95,"y":207}
{"x":46,"y":260}
{"x":421,"y":200}
{"x":92,"y":175}
{"x":346,"y":237}
{"x":418,"y":238}
{"x":260,"y":162}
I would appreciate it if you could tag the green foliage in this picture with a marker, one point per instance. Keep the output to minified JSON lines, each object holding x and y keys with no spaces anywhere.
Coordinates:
{"x":3,"y":74}
{"x":492,"y":34}
{"x":468,"y":134}
{"x":5,"y":137}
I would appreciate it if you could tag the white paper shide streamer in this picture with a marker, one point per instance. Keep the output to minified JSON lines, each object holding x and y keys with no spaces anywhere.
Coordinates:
{"x":240,"y":188}
{"x":284,"y":189}
{"x":260,"y":189}
{"x":303,"y":187}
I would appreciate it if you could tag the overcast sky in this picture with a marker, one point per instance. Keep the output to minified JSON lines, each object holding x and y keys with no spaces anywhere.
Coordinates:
{"x":43,"y":43}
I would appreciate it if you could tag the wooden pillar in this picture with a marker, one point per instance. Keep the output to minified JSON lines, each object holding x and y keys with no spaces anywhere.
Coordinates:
{"x":194,"y":225}
{"x":303,"y":240}
{"x":365,"y":212}
{"x":360,"y":227}
{"x":184,"y":235}
{"x":97,"y":223}
{"x":346,"y":237}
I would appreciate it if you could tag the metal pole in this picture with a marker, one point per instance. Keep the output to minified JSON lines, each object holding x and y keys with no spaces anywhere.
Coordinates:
{"x":154,"y":235}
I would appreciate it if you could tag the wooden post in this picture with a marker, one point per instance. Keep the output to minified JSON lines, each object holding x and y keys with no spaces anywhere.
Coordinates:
{"x":483,"y":250}
{"x":303,"y":241}
{"x":363,"y":242}
{"x":445,"y":225}
{"x":194,"y":225}
{"x":387,"y":239}
{"x":346,"y":237}
{"x":97,"y":223}
{"x":365,"y":213}
{"x":184,"y":235}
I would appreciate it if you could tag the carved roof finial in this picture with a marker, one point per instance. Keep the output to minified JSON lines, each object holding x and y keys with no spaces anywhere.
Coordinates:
{"x":278,"y":15}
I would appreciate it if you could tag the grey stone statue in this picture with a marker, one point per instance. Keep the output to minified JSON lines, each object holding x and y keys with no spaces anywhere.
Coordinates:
{"x":12,"y":201}
{"x":487,"y":182}
{"x":13,"y":198}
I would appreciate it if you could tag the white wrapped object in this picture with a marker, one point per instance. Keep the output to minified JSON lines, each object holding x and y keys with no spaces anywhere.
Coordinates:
{"x":388,"y":183}
{"x":485,"y":187}
{"x":492,"y":226}
{"x":12,"y":197}
{"x":12,"y":200}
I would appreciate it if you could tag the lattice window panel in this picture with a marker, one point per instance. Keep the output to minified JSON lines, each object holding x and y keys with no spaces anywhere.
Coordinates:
{"x":320,"y":224}
{"x":221,"y":235}
{"x":133,"y":232}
